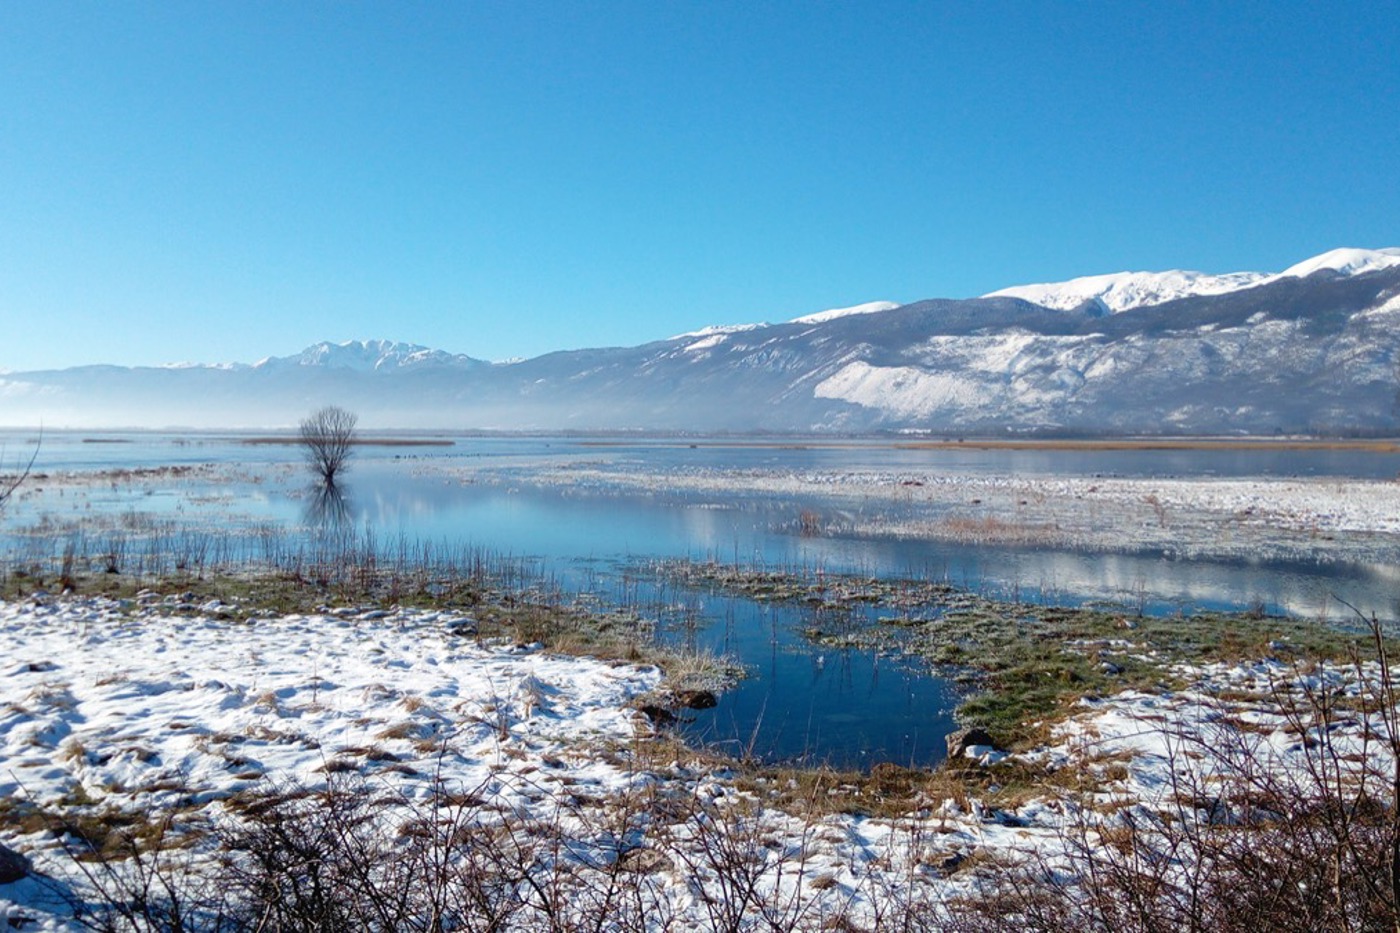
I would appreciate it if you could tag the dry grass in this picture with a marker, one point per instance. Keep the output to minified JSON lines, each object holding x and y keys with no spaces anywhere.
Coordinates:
{"x":991,"y":530}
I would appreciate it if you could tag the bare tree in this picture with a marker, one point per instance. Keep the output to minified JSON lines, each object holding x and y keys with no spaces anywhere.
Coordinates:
{"x":328,"y":437}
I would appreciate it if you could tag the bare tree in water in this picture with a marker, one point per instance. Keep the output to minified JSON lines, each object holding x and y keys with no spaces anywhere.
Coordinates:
{"x":328,"y":437}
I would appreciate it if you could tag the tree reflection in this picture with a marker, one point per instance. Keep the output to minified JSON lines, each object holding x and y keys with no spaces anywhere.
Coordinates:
{"x":328,"y":509}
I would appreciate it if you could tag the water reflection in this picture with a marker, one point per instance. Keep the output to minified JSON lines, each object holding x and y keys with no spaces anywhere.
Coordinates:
{"x":328,"y":509}
{"x":845,"y":707}
{"x":569,"y":529}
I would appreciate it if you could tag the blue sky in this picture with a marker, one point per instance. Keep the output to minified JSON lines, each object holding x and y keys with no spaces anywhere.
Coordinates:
{"x":226,"y":181}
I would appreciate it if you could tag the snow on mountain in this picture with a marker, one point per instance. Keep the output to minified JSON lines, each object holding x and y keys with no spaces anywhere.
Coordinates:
{"x":709,"y":337}
{"x":870,"y":307}
{"x":369,"y":356}
{"x":717,"y":330}
{"x":1347,"y":262}
{"x":1120,"y":291}
{"x":189,"y":364}
{"x":901,"y":391}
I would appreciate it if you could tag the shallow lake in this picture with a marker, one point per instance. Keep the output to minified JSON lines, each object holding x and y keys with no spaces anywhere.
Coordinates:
{"x":850,"y":707}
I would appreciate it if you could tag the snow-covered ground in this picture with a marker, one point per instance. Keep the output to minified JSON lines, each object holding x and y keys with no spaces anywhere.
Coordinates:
{"x":143,"y":709}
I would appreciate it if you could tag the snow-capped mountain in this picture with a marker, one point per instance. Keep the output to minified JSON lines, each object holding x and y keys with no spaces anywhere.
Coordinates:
{"x":1346,"y":262}
{"x":1120,"y":291}
{"x":1314,"y":348}
{"x":369,"y":356}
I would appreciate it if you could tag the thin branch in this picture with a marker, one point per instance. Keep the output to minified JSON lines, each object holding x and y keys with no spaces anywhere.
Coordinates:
{"x":10,"y":486}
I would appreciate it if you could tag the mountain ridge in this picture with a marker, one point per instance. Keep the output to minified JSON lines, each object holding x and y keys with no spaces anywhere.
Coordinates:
{"x":1121,"y":291}
{"x":1314,"y":352}
{"x":374,"y":355}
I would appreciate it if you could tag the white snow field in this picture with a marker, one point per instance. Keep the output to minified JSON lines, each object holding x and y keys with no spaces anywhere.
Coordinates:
{"x":123,"y":705}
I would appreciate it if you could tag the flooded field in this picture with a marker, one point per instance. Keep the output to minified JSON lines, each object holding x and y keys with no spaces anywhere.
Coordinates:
{"x":1303,"y":530}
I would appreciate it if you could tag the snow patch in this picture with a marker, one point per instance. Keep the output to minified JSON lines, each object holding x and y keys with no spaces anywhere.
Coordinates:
{"x":16,"y":388}
{"x":228,"y":367}
{"x":902,"y":391}
{"x":870,"y":307}
{"x":1346,"y":261}
{"x":1390,"y":307}
{"x":705,"y":343}
{"x":718,"y":330}
{"x":367,"y":356}
{"x":1120,"y":291}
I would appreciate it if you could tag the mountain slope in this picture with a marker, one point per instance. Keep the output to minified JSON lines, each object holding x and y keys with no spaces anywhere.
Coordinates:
{"x":1316,"y":353}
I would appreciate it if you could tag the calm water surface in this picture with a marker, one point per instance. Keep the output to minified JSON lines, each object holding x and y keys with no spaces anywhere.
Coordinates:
{"x":850,"y":707}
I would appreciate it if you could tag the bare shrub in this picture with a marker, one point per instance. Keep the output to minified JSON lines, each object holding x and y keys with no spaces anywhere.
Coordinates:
{"x":302,"y":860}
{"x":353,"y":856}
{"x":349,"y":858}
{"x":140,"y":876}
{"x":747,"y":866}
{"x":1243,"y":838}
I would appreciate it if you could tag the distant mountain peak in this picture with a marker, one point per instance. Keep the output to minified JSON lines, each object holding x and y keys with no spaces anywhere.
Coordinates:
{"x":1305,"y":350}
{"x":370,"y":356}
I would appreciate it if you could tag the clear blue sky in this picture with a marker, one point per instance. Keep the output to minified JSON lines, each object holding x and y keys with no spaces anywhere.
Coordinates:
{"x":226,"y":181}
